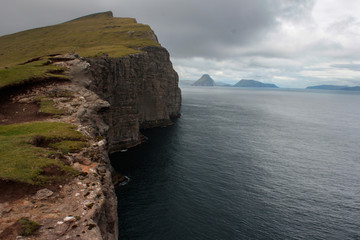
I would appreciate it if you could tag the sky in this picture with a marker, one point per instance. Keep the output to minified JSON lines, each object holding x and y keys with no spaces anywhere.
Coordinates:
{"x":291,"y":43}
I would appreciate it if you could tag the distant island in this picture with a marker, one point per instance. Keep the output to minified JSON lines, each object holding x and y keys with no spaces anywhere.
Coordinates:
{"x":254,"y":84}
{"x":205,"y":80}
{"x":334,"y":87}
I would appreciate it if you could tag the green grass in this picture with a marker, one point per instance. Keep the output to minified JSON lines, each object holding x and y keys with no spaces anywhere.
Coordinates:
{"x":27,"y":227}
{"x":69,"y":146}
{"x":47,"y":107}
{"x":19,"y":74}
{"x":24,"y":150}
{"x":87,"y":36}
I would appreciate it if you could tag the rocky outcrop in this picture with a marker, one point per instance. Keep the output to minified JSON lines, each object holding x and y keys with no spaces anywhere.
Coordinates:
{"x":142,"y":90}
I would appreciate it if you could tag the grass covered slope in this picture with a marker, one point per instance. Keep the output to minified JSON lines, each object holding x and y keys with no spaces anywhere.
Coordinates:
{"x":39,"y":70}
{"x":27,"y":151}
{"x":32,"y":152}
{"x":87,"y":36}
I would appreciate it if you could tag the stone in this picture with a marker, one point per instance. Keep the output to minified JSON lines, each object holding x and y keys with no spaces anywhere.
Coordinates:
{"x":43,"y":194}
{"x":77,"y":166}
{"x":69,"y":219}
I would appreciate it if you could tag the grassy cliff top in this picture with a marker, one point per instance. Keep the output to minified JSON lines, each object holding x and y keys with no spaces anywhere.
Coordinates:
{"x":87,"y":36}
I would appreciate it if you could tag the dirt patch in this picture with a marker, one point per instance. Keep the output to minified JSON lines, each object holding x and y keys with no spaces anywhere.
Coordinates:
{"x":11,"y":191}
{"x":53,"y":170}
{"x":58,"y":177}
{"x":11,"y":112}
{"x":10,"y":232}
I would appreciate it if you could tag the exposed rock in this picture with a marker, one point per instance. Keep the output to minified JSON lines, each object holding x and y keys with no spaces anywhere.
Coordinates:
{"x":69,"y":219}
{"x":142,"y":90}
{"x":43,"y":194}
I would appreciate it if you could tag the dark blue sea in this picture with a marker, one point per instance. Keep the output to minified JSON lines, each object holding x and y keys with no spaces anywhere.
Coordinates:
{"x":247,"y":164}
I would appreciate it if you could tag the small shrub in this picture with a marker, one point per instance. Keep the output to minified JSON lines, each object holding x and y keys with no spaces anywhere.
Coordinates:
{"x":27,"y":227}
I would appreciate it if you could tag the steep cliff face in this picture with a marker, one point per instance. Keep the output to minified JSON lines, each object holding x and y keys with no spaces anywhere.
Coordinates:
{"x":142,"y":90}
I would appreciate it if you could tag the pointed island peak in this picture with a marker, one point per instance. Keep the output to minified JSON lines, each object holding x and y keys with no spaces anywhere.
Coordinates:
{"x":205,"y":80}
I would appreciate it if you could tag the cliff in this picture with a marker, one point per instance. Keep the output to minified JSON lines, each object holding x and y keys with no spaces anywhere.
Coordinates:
{"x":142,"y":90}
{"x":107,"y":90}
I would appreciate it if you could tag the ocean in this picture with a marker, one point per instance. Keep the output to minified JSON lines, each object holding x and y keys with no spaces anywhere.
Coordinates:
{"x":247,"y":164}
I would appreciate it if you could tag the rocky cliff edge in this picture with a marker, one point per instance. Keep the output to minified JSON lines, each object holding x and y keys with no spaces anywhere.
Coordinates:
{"x":109,"y":99}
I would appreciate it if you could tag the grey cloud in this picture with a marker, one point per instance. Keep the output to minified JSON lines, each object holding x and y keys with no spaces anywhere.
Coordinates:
{"x":234,"y":38}
{"x":187,"y":28}
{"x":295,"y":9}
{"x":203,"y":28}
{"x":269,"y":53}
{"x":354,"y":67}
{"x":343,"y":24}
{"x":16,"y":15}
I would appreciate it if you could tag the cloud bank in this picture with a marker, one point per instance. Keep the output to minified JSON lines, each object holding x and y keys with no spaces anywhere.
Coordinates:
{"x":292,"y":43}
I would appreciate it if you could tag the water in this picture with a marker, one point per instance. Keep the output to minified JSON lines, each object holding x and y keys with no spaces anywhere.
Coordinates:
{"x":247,"y":164}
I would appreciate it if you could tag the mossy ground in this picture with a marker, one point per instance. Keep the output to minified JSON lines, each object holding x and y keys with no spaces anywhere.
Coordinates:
{"x":25,"y":150}
{"x":27,"y":227}
{"x":47,"y":107}
{"x":39,"y":70}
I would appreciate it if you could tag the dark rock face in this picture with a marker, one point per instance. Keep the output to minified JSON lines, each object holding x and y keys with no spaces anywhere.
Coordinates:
{"x":142,"y":90}
{"x":205,"y":80}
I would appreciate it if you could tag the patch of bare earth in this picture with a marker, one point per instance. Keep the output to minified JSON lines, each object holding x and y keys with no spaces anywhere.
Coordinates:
{"x":66,"y":213}
{"x":11,"y":191}
{"x":15,"y":112}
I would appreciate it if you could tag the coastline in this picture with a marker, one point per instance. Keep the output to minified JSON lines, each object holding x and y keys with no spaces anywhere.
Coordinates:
{"x":85,"y":207}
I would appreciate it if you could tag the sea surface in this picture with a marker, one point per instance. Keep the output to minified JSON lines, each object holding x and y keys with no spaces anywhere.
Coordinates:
{"x":247,"y":164}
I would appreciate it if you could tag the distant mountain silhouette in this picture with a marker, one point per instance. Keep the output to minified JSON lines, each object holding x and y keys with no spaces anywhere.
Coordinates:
{"x":334,"y":87}
{"x":254,"y":84}
{"x":205,"y":80}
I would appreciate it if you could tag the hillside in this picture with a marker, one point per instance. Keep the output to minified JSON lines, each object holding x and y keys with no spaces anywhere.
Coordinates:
{"x":205,"y":80}
{"x":26,"y":55}
{"x":87,"y":36}
{"x":254,"y":84}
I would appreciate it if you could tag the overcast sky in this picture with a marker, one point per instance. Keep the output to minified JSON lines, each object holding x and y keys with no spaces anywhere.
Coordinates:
{"x":292,"y":43}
